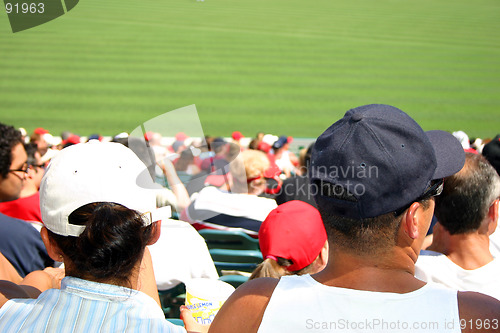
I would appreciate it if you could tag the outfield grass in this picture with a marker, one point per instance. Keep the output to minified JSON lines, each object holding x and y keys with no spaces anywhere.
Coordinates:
{"x":287,"y":67}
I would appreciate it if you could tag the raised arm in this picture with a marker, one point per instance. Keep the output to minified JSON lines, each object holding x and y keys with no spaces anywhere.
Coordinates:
{"x":175,"y":184}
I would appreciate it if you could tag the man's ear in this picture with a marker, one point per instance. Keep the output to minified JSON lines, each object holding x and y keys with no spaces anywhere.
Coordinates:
{"x":493,"y":216}
{"x":324,"y":253}
{"x":156,"y":232}
{"x":411,"y":220}
{"x":321,"y":260}
{"x":52,"y":249}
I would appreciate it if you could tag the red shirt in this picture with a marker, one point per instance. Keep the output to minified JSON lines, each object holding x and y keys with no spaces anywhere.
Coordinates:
{"x":27,"y":208}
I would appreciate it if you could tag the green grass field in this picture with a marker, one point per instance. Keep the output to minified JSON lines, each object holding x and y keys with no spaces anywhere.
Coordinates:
{"x":287,"y":67}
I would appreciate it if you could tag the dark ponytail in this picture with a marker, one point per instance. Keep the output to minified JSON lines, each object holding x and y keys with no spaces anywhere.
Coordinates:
{"x":110,"y":246}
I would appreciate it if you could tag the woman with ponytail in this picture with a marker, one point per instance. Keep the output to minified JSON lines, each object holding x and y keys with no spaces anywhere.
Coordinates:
{"x":99,"y":215}
{"x":293,"y":241}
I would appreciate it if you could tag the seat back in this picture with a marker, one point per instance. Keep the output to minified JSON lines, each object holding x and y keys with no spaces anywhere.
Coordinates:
{"x":235,"y":260}
{"x":176,"y":321}
{"x":229,"y":239}
{"x":234,"y":280}
{"x":236,"y":256}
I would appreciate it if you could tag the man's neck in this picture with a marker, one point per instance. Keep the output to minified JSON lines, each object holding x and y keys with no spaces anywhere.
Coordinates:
{"x":28,"y":189}
{"x":392,"y":272}
{"x":469,"y":251}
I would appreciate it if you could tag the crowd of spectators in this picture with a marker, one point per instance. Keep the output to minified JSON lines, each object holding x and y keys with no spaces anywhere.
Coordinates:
{"x":258,"y":186}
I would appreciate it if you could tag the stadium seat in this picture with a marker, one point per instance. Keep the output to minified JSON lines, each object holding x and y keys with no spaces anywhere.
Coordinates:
{"x":234,"y":280}
{"x":235,"y":260}
{"x":176,"y":321}
{"x":224,"y":239}
{"x":171,"y":300}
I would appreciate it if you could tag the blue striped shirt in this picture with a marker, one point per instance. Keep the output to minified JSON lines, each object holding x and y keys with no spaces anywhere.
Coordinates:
{"x":85,"y":306}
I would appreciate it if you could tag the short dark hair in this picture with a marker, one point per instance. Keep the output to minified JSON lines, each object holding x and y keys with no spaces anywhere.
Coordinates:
{"x":367,"y":236}
{"x":111,"y":244}
{"x":9,"y":138}
{"x":467,"y":196}
{"x":31,"y":149}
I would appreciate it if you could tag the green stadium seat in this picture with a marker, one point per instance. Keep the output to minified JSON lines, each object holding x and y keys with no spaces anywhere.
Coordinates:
{"x":224,"y":239}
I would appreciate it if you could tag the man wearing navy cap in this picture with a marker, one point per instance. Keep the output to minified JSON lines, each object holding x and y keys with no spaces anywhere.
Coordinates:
{"x":376,"y":172}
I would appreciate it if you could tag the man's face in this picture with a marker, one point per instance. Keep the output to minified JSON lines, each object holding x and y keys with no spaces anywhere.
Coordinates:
{"x":36,"y":172}
{"x":42,"y":146}
{"x":11,"y":185}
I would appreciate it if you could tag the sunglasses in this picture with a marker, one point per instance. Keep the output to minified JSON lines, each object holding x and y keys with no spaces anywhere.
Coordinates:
{"x":38,"y":166}
{"x":434,"y":189}
{"x":24,"y":169}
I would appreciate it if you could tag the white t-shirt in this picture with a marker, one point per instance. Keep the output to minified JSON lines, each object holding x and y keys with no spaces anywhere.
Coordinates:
{"x":495,"y":241}
{"x":180,"y":254}
{"x":436,"y":267}
{"x":301,"y":304}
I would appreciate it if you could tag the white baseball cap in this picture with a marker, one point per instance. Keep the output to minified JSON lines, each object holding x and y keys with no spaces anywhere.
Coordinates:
{"x":95,"y":172}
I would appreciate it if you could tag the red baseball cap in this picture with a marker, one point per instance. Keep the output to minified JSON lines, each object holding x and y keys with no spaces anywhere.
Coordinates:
{"x":237,"y":135}
{"x":181,"y":136}
{"x":40,"y":131}
{"x":73,"y":139}
{"x":262,"y":146}
{"x":295,"y":231}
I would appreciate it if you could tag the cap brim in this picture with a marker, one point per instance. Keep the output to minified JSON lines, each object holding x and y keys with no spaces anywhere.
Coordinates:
{"x":450,"y":155}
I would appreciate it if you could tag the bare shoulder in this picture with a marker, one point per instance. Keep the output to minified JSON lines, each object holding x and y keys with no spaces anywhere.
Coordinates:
{"x":478,"y":312}
{"x":243,"y":311}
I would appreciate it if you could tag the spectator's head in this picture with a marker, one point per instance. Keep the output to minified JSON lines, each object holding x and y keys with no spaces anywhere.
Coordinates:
{"x":178,"y":146}
{"x":95,"y":136}
{"x":237,"y":136}
{"x":98,"y":212}
{"x":36,"y":167}
{"x":38,"y":138}
{"x":372,"y":169}
{"x":293,"y":241}
{"x":468,"y":197}
{"x":262,"y":146}
{"x":305,"y":159}
{"x":282,"y":142}
{"x":73,"y":139}
{"x":185,"y":159}
{"x":463,"y":138}
{"x":219,"y":146}
{"x":13,"y":163}
{"x":254,"y":143}
{"x":121,"y":138}
{"x":492,"y":153}
{"x":249,"y":176}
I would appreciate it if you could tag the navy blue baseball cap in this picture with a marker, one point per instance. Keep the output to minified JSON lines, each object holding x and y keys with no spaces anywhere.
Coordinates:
{"x":377,"y":159}
{"x":282,"y":140}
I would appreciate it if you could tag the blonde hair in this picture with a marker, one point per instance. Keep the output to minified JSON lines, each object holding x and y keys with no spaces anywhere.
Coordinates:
{"x":277,"y":269}
{"x":254,"y":162}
